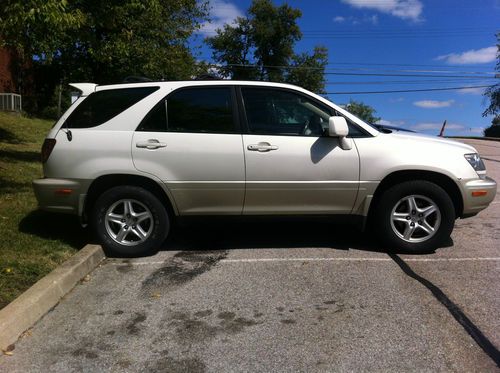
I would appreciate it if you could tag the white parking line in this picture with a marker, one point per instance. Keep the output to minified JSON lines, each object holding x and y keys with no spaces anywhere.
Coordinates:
{"x":267,"y":260}
{"x":355,"y":260}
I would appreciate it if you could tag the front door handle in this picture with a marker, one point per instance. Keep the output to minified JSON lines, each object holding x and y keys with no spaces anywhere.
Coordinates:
{"x":262,"y":147}
{"x":151,"y":144}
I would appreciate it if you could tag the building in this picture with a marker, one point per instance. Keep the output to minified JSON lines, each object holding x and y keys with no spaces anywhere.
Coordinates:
{"x":7,"y":84}
{"x":10,"y":99}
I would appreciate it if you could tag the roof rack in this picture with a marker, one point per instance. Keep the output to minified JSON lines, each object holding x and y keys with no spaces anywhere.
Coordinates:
{"x":207,"y":77}
{"x":136,"y":79}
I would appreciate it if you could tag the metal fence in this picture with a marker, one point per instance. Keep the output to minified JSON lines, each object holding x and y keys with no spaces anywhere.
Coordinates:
{"x":10,"y":102}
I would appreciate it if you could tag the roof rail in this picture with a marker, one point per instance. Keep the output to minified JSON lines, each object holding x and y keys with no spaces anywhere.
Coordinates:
{"x":207,"y":77}
{"x":136,"y":79}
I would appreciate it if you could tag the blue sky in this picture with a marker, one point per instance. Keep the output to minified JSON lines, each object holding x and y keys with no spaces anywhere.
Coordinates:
{"x":454,"y":39}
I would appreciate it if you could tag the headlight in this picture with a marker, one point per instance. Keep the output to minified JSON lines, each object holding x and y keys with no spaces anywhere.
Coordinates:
{"x":475,"y":161}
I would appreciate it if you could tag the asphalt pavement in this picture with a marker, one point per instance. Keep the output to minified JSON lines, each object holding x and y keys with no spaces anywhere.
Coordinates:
{"x":282,"y":296}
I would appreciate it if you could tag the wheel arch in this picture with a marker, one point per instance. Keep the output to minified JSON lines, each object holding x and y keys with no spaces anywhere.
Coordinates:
{"x":437,"y":178}
{"x":105,"y":182}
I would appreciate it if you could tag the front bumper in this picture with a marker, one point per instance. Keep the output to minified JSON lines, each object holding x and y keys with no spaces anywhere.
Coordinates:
{"x":484,"y":190}
{"x":60,"y":195}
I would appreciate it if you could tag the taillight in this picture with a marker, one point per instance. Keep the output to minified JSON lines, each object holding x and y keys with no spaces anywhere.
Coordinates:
{"x":47,"y":147}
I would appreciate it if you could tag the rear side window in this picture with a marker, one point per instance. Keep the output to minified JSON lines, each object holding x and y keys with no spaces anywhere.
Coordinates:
{"x":199,"y":109}
{"x":101,"y":106}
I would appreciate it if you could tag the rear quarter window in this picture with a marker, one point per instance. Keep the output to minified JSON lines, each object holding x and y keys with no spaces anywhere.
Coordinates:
{"x":101,"y":106}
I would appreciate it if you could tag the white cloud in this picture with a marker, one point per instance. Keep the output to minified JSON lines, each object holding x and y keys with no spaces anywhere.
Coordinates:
{"x":437,"y":126}
{"x":221,"y":12}
{"x":373,"y":19}
{"x":473,"y":56}
{"x":431,"y":104}
{"x":399,"y":99}
{"x":471,"y":91}
{"x":477,"y":130}
{"x":405,"y":9}
{"x":385,"y":122}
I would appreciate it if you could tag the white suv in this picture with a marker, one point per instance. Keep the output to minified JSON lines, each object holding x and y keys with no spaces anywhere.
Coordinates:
{"x":129,"y":158}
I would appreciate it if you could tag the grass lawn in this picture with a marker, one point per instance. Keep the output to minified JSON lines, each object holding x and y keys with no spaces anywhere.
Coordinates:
{"x":33,"y":242}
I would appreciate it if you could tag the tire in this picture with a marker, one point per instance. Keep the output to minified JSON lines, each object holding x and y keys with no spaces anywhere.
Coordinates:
{"x":130,"y":221}
{"x":423,"y":228}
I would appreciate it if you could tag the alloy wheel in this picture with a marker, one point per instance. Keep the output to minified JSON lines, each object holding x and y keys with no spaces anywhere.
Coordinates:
{"x":129,"y":222}
{"x":415,"y":218}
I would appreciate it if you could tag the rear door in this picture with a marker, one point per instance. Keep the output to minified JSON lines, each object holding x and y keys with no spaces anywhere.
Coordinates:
{"x":191,"y":141}
{"x":292,"y":166}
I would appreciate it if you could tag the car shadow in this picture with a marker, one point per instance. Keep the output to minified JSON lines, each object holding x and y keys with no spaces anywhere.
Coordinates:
{"x":206,"y":234}
{"x":52,"y":226}
{"x":275,"y":233}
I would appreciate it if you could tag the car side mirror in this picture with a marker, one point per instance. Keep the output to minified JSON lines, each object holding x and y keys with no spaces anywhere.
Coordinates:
{"x":337,"y":127}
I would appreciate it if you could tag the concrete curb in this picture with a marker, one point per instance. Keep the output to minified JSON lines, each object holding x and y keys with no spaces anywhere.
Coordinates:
{"x":35,"y":302}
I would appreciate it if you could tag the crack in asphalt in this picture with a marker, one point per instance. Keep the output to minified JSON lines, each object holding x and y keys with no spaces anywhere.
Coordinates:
{"x":476,"y":334}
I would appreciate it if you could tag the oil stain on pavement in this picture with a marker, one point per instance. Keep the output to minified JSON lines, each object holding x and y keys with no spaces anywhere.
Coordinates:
{"x":180,"y":269}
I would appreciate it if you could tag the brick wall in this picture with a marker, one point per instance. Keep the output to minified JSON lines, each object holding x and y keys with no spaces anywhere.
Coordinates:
{"x":6,"y":78}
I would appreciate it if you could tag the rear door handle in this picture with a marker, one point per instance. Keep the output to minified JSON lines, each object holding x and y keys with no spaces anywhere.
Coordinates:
{"x":151,"y":144}
{"x":262,"y":147}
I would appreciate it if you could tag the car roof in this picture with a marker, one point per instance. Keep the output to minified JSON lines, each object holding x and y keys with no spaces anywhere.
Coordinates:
{"x":209,"y":82}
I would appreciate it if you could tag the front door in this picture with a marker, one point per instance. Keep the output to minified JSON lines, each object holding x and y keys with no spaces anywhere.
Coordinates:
{"x":292,"y":167}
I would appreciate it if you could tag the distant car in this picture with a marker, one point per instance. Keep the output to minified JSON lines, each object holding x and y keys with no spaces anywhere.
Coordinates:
{"x":389,"y":129}
{"x":131,"y":158}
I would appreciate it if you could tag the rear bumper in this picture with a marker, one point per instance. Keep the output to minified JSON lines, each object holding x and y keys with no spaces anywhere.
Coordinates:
{"x":486,"y":188}
{"x":60,"y":195}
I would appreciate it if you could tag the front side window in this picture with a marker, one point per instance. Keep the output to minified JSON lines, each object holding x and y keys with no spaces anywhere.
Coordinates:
{"x":279,"y":112}
{"x":101,"y":106}
{"x":197,"y":109}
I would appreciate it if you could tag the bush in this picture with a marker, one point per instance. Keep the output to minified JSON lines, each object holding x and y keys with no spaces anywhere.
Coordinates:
{"x":494,"y":129}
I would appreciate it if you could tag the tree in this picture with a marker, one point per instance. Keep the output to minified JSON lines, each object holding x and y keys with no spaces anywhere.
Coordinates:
{"x":232,"y":47}
{"x":493,"y":92}
{"x":362,"y":111}
{"x":34,"y":28}
{"x":37,"y":27}
{"x":494,"y":129}
{"x":274,"y":33}
{"x":102,"y":42}
{"x":131,"y":37}
{"x":261,"y":46}
{"x":308,"y":70}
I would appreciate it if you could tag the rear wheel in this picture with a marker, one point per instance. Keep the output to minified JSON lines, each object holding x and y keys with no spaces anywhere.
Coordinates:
{"x":130,"y":221}
{"x":415,"y":216}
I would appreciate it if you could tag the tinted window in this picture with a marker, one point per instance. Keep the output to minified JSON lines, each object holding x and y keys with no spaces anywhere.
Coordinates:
{"x":192,"y":110}
{"x":280,"y":112}
{"x":156,"y":120}
{"x":101,"y":106}
{"x":200,"y":110}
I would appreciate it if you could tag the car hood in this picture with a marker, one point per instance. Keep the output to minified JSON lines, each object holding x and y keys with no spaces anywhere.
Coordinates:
{"x":423,"y":139}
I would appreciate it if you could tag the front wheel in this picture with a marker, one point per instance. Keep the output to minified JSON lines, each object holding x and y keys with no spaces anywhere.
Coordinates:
{"x":130,"y":221}
{"x":415,"y":216}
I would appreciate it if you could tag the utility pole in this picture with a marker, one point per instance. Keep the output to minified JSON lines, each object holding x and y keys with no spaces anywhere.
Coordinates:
{"x":441,"y":133}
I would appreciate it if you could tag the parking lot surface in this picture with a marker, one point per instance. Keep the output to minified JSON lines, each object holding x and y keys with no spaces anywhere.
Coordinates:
{"x":280,"y":296}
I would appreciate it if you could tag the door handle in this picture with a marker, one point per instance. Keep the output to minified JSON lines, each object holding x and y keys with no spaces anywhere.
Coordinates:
{"x":262,"y":147}
{"x":151,"y":144}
